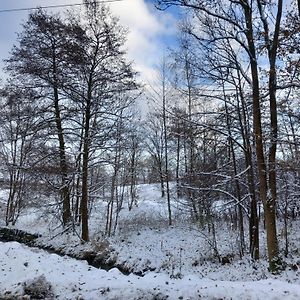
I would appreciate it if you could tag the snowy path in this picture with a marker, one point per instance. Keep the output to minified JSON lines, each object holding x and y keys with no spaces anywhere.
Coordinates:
{"x":72,"y":279}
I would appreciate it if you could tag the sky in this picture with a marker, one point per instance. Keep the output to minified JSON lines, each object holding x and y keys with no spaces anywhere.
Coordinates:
{"x":151,"y":31}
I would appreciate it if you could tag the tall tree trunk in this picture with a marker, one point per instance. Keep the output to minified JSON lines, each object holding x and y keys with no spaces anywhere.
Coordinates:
{"x":244,"y":124}
{"x":65,"y":192}
{"x":237,"y":184}
{"x":132,"y":171}
{"x":85,"y":167}
{"x":161,"y":176}
{"x":177,"y":162}
{"x":270,"y":207}
{"x":267,"y":191}
{"x":190,"y":139}
{"x":84,"y":188}
{"x":77,"y":183}
{"x":166,"y":152}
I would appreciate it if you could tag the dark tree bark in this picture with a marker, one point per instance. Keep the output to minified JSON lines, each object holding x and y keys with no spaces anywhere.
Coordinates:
{"x":266,"y":169}
{"x":65,"y":191}
{"x":245,"y":130}
{"x":166,"y":149}
{"x":85,"y":172}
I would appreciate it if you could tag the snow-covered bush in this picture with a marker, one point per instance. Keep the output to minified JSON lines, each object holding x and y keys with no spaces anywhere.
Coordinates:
{"x":38,"y":288}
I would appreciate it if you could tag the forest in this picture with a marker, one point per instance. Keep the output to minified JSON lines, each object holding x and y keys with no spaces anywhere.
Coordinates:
{"x":205,"y":156}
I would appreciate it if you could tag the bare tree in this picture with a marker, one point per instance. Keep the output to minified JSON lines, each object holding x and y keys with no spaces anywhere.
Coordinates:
{"x":20,"y":133}
{"x":103,"y":77}
{"x":39,"y":60}
{"x":234,"y":20}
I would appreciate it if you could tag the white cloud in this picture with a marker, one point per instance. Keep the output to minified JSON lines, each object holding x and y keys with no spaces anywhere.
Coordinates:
{"x":136,"y":15}
{"x":148,"y":28}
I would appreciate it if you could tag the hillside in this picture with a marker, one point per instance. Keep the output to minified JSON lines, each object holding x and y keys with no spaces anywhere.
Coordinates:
{"x":176,"y":262}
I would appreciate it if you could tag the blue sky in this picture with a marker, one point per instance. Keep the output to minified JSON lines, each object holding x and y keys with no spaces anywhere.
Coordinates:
{"x":151,"y":31}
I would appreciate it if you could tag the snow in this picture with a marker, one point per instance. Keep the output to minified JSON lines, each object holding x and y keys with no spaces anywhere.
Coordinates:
{"x":72,"y":279}
{"x":178,"y":262}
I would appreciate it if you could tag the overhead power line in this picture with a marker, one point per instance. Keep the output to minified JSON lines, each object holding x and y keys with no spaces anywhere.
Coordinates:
{"x":52,"y":6}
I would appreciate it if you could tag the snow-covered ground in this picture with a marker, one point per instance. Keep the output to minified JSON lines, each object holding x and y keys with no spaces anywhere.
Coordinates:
{"x":73,"y":279}
{"x":178,"y":262}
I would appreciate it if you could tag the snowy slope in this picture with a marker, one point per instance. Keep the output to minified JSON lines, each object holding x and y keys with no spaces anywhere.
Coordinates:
{"x":178,"y":261}
{"x":72,"y":279}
